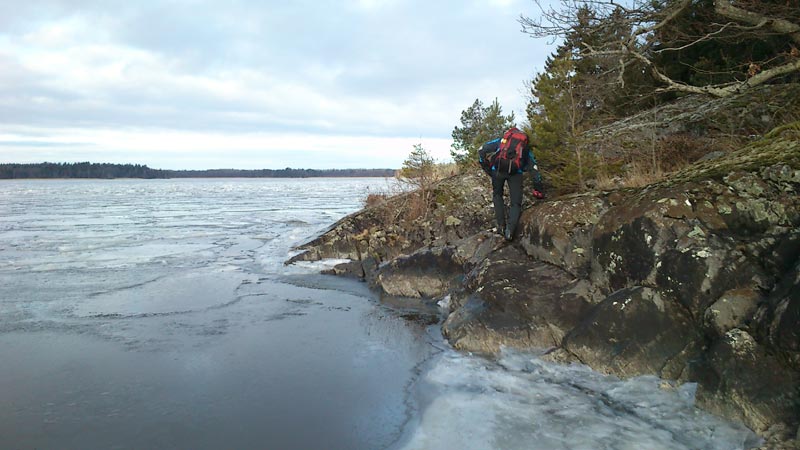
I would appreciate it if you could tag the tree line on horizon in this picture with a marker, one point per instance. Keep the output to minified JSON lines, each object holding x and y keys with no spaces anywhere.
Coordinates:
{"x":111,"y":171}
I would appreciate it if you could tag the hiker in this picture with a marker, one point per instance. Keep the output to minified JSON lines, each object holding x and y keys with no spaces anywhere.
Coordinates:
{"x":505,"y":160}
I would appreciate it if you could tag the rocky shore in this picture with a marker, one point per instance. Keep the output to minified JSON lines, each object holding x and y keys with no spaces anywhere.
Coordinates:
{"x":694,"y":279}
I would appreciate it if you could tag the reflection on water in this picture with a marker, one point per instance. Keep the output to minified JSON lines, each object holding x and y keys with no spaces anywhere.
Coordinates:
{"x":295,"y":368}
{"x":167,"y":320}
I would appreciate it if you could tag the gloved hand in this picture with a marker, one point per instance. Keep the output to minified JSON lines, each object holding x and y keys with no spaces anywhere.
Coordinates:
{"x":538,"y":194}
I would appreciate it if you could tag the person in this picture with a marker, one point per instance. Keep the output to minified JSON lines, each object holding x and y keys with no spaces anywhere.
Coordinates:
{"x":514,"y":178}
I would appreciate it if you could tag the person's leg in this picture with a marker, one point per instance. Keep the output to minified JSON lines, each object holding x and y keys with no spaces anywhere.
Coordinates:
{"x":497,"y":199}
{"x":515,"y":191}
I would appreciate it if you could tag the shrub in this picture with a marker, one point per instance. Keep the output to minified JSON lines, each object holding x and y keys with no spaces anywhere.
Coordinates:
{"x":374,"y":200}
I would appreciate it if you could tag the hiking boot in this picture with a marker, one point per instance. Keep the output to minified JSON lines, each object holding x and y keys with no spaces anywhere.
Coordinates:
{"x":508,"y":235}
{"x":497,"y":230}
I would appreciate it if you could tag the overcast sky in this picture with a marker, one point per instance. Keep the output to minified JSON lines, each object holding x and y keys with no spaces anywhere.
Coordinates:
{"x":253,"y":84}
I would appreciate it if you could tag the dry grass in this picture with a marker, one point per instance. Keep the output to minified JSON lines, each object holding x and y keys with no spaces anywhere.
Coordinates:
{"x":402,"y":209}
{"x":381,"y":200}
{"x":639,"y":175}
{"x":635,"y":175}
{"x":417,"y":205}
{"x":399,"y":203}
{"x":445,"y":170}
{"x":607,"y":183}
{"x":373,"y":200}
{"x":667,"y":155}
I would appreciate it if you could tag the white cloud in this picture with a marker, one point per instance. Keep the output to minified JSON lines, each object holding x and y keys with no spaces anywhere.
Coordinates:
{"x":135,"y":78}
{"x":374,"y":4}
{"x":202,"y":150}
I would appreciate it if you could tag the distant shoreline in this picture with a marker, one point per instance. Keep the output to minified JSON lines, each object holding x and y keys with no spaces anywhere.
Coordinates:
{"x":105,"y":171}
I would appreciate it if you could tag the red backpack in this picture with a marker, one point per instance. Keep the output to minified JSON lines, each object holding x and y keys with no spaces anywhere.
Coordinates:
{"x":509,"y":154}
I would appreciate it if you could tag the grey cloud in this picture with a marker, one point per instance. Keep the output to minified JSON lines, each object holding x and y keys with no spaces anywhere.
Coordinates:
{"x":413,"y":50}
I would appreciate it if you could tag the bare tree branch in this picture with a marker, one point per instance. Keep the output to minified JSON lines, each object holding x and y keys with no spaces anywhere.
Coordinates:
{"x":700,"y":39}
{"x":763,"y":77}
{"x":646,"y":21}
{"x":677,"y":10}
{"x":726,"y":9}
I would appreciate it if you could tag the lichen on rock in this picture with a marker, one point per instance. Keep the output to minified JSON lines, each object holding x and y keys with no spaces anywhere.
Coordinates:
{"x":695,"y":278}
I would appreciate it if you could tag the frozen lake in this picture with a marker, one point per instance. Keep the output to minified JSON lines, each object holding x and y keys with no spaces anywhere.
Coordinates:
{"x":158,"y":314}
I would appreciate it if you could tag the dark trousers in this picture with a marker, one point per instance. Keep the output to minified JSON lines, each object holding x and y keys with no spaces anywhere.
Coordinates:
{"x":515,"y":190}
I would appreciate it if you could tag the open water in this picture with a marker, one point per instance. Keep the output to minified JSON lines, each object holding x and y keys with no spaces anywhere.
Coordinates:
{"x":159,"y":314}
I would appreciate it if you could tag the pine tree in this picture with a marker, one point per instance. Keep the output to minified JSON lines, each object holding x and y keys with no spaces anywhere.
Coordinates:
{"x":479,"y":124}
{"x":560,"y":110}
{"x":419,"y":168}
{"x":419,"y":171}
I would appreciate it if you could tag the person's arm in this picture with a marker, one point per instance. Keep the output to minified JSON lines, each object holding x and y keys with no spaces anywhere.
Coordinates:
{"x":536,"y":177}
{"x":485,"y":154}
{"x":483,"y":162}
